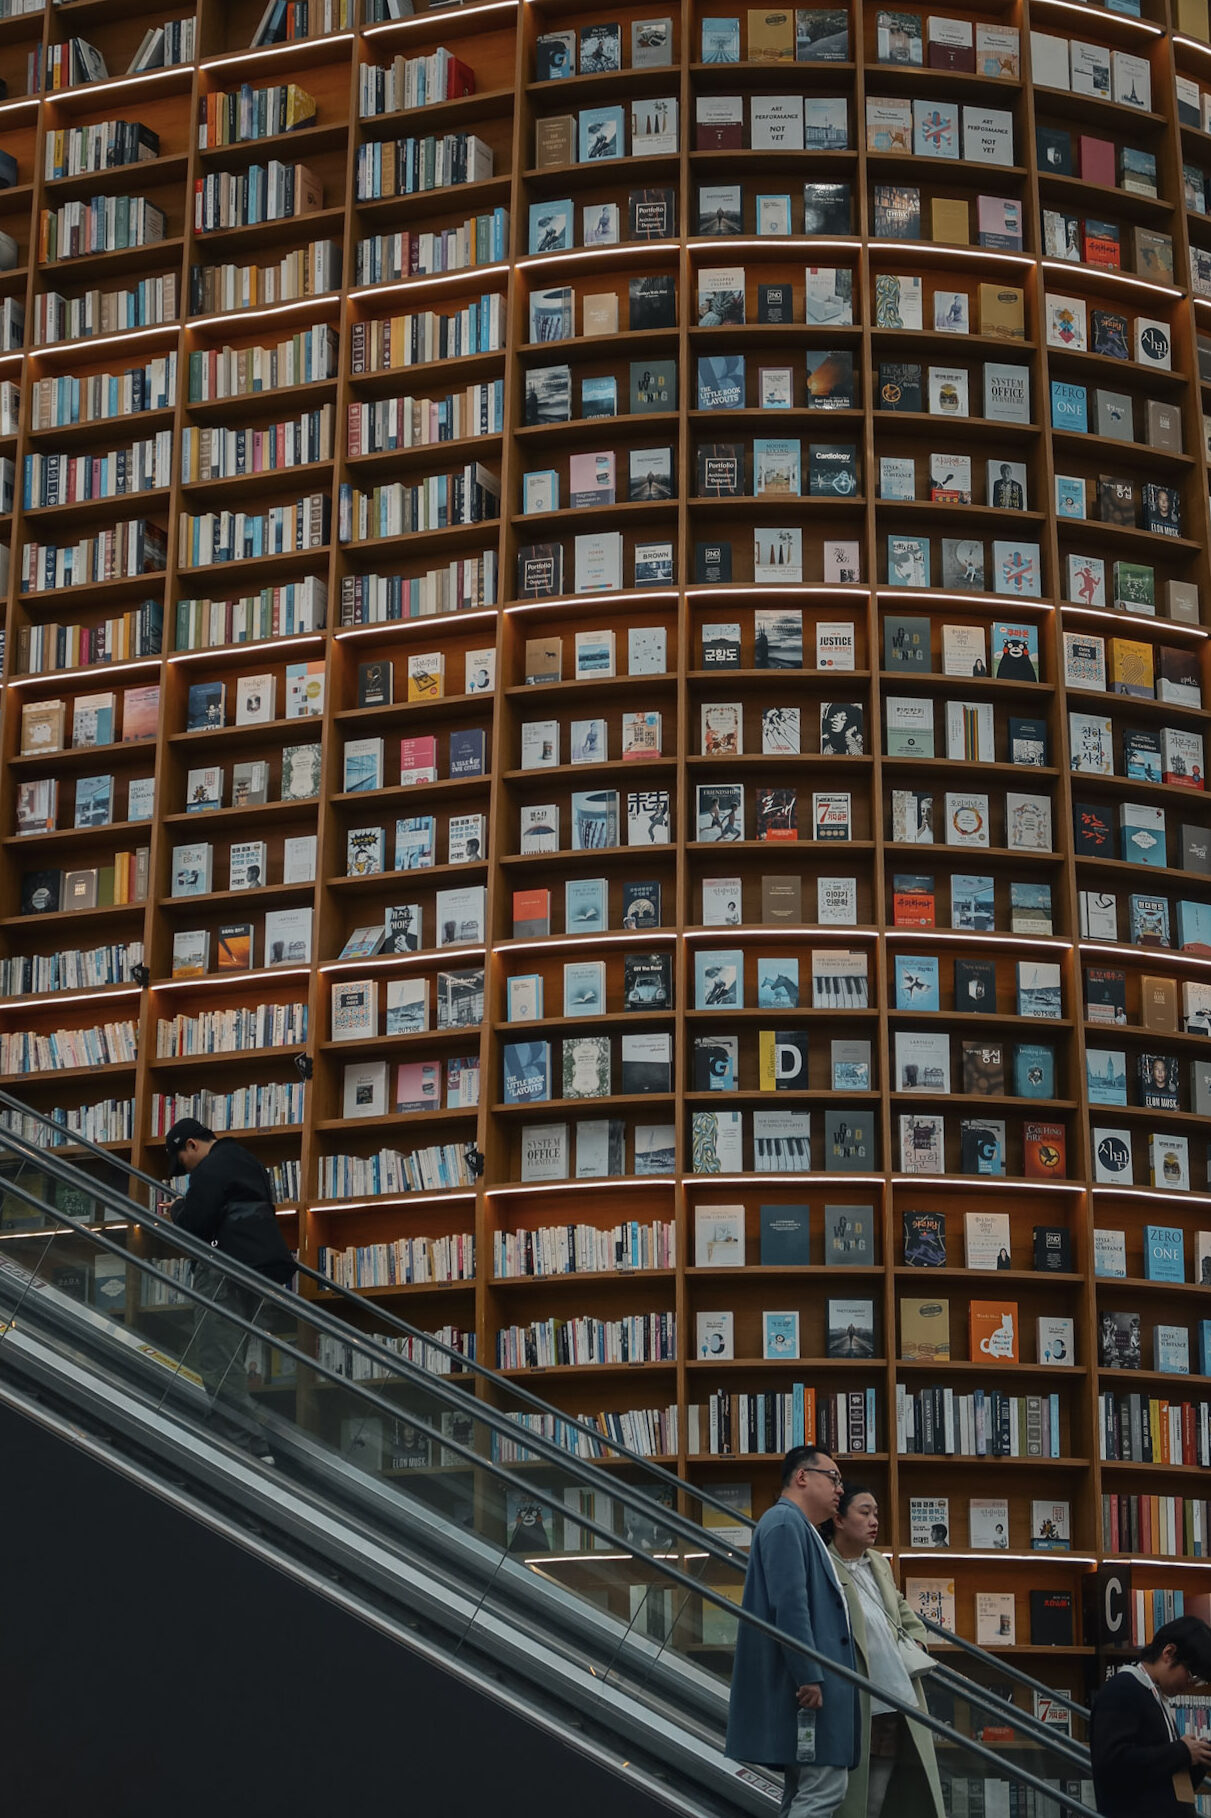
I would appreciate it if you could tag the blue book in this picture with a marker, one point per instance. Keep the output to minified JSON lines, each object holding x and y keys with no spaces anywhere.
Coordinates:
{"x":1149,"y":919}
{"x":721,"y":40}
{"x":204,"y":709}
{"x":1069,"y":406}
{"x":1164,"y":1253}
{"x":1204,"y":1347}
{"x":584,"y":905}
{"x":602,"y":134}
{"x":551,"y":227}
{"x":527,"y":1072}
{"x":719,"y":979}
{"x":780,"y":1337}
{"x":972,"y":902}
{"x":1106,"y":1076}
{"x":467,"y":753}
{"x":1194,"y":927}
{"x":785,"y":1237}
{"x":778,"y":984}
{"x":721,"y":382}
{"x":1034,"y":1070}
{"x":916,"y":982}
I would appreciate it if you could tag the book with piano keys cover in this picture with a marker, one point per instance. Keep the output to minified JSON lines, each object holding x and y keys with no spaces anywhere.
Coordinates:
{"x":782,"y":1142}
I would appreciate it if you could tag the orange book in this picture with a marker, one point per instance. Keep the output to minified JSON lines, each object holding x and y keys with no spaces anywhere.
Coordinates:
{"x":993,"y":1331}
{"x":1044,"y":1151}
{"x":531,"y":913}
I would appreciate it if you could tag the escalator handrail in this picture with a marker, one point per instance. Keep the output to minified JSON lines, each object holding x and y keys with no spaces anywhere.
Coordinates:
{"x":161,"y":1226}
{"x":1005,"y":1666}
{"x":658,"y":1562}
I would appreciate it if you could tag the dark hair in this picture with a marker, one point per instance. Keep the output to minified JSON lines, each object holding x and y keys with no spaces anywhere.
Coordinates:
{"x":1190,"y":1639}
{"x":848,"y":1493}
{"x":796,"y":1458}
{"x":186,"y":1129}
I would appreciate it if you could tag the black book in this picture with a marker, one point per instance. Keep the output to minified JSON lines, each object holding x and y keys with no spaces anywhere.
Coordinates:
{"x":827,"y":208}
{"x":899,"y":385}
{"x":976,"y":986}
{"x":41,"y":892}
{"x":1119,"y":1341}
{"x":652,"y":214}
{"x":375,"y":684}
{"x":925,"y":1240}
{"x":1051,"y":1619}
{"x":721,"y":652}
{"x":641,"y":905}
{"x":539,"y":570}
{"x":1052,"y":1250}
{"x":1162,"y":510}
{"x":1027,"y":741}
{"x":720,"y":470}
{"x":897,"y":209}
{"x":650,"y":1072}
{"x":775,"y":303}
{"x":1109,"y":334}
{"x":712,"y":561}
{"x":1159,"y":1081}
{"x":653,"y":303}
{"x":832,"y":469}
{"x":1115,"y":500}
{"x":1105,"y":995}
{"x":714,"y":1063}
{"x":647,"y":981}
{"x":1055,"y":150}
{"x":1093,"y":834}
{"x":830,"y":380}
{"x":849,"y":1141}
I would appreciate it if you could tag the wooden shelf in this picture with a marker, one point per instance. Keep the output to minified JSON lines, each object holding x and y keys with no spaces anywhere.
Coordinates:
{"x":496,"y":42}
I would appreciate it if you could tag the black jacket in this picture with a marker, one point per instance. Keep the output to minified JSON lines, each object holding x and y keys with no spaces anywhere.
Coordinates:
{"x":1134,"y":1757}
{"x":229,"y":1203}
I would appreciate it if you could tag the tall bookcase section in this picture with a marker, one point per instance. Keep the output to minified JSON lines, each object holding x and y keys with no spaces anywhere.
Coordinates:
{"x":615,"y":608}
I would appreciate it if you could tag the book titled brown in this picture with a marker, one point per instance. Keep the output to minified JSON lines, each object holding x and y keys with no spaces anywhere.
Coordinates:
{"x":948,"y":218}
{"x":600,"y":314}
{"x":1158,"y":1004}
{"x":1002,"y":312}
{"x":544,"y":660}
{"x":781,"y":900}
{"x":555,"y":141}
{"x":925,"y":1330}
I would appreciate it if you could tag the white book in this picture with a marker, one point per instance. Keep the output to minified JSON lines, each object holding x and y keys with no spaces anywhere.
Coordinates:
{"x":719,"y":1237}
{"x":776,"y":122}
{"x":288,"y":937}
{"x":256,"y":700}
{"x":354,"y":1009}
{"x":298,"y":859}
{"x":365,"y":1089}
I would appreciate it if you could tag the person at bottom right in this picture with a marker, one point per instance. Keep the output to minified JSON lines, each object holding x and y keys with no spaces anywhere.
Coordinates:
{"x":1142,"y":1768}
{"x":898,"y":1770}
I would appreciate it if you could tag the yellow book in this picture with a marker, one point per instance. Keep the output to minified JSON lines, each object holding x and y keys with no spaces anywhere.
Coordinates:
{"x":925,"y":1330}
{"x":949,"y":222}
{"x":1001,"y":312}
{"x":426,"y":676}
{"x":771,"y":36}
{"x":1190,"y":17}
{"x":1130,"y":664}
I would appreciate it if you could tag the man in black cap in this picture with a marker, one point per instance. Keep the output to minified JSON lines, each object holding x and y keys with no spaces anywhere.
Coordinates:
{"x":229,"y":1204}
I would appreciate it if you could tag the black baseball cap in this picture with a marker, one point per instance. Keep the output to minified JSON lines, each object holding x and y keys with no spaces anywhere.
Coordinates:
{"x":182,"y":1131}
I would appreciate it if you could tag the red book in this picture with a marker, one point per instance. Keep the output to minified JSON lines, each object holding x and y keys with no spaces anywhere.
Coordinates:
{"x":418,"y":760}
{"x":1095,"y":160}
{"x":531,"y":913}
{"x":912,"y":909}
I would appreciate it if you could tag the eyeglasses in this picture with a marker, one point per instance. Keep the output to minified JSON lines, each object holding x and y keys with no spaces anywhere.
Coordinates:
{"x":833,"y":1476}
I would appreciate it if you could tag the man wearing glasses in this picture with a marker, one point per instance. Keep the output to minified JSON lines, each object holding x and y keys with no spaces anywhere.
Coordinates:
{"x":786,"y":1711}
{"x":1143,"y":1766}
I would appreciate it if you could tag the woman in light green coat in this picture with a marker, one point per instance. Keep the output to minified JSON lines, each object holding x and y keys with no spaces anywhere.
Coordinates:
{"x":897,"y":1767}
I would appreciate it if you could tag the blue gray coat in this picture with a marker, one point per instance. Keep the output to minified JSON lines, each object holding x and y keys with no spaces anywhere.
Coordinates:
{"x":790,"y":1585}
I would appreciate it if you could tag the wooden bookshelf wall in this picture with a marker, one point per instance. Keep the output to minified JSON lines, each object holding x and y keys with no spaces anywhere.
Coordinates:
{"x":497,"y":41}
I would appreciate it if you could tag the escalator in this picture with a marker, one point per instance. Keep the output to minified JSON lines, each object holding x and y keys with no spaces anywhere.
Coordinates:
{"x":511,"y":1550}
